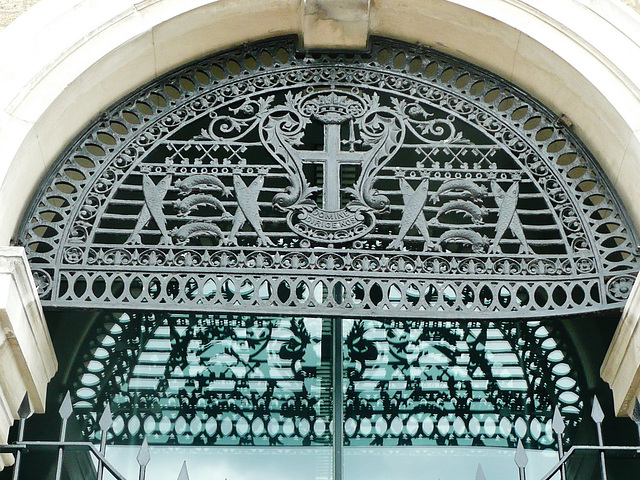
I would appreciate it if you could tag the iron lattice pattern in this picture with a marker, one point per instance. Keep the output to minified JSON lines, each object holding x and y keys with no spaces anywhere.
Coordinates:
{"x":195,"y":379}
{"x":397,"y":180}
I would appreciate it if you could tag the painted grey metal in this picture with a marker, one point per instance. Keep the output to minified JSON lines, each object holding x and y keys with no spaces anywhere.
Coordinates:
{"x":559,"y":427}
{"x":66,"y":409}
{"x":397,"y":182}
{"x":598,"y":416}
{"x":24,"y":410}
{"x":338,"y":400}
{"x":577,"y":449}
{"x":635,"y":415}
{"x":480,"y":473}
{"x":437,"y":382}
{"x":106,"y":420}
{"x":143,"y":458}
{"x":521,"y":461}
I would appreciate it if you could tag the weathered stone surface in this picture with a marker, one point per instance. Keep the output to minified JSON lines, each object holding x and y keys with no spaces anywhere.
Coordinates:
{"x":335,"y":23}
{"x":12,"y":9}
{"x":11,"y":5}
{"x":27,"y":359}
{"x":621,"y":366}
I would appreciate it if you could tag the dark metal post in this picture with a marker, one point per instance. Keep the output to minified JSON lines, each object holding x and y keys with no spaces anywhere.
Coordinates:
{"x":521,"y":460}
{"x":558,"y":427}
{"x":338,"y":399}
{"x":24,"y":410}
{"x":105,"y":423}
{"x":66,"y":409}
{"x":598,"y":416}
{"x":143,"y":459}
{"x":635,"y":416}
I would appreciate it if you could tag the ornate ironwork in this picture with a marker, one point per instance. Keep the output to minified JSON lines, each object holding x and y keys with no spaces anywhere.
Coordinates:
{"x":22,"y":446}
{"x":397,"y":180}
{"x":194,"y":379}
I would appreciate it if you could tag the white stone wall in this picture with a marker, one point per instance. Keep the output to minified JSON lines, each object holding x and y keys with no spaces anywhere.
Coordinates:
{"x":11,"y":9}
{"x":573,"y":55}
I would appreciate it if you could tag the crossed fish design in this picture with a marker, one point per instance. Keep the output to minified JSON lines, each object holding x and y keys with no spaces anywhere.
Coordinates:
{"x":507,"y":216}
{"x":247,"y":211}
{"x":413,"y":213}
{"x":153,"y":198}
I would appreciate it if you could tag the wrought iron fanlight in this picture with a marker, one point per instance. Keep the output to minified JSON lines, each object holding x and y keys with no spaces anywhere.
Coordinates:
{"x":265,"y":179}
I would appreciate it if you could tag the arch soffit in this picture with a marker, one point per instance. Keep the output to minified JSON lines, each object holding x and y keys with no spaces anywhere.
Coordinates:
{"x":103,"y":50}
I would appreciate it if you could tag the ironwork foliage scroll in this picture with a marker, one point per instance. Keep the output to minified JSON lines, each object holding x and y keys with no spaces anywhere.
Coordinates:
{"x":399,"y":179}
{"x":199,"y":379}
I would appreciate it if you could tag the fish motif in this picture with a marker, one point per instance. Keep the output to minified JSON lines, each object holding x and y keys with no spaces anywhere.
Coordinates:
{"x":287,"y":198}
{"x":248,"y":210}
{"x":193,"y":202}
{"x":466,"y":189}
{"x":413,"y":213}
{"x":469,"y":209}
{"x":199,"y":181}
{"x":195,"y":229}
{"x":477,"y":241}
{"x":153,"y":207}
{"x":507,"y":216}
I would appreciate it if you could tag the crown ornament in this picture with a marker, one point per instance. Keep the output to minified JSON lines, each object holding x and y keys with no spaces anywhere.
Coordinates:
{"x":333,"y":108}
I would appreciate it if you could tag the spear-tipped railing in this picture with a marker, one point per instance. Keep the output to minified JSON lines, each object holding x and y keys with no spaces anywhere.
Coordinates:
{"x":558,"y":426}
{"x":21,"y":446}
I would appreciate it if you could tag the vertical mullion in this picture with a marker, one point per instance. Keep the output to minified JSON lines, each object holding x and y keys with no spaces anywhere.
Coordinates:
{"x":338,"y":398}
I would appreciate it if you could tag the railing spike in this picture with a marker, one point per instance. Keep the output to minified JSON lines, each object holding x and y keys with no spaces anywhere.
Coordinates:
{"x":480,"y":473}
{"x":598,"y":416}
{"x":558,"y":427}
{"x":184,"y":475}
{"x":66,"y":409}
{"x":521,"y":458}
{"x":106,"y":420}
{"x":596,"y":411}
{"x":24,"y":410}
{"x":144,"y":456}
{"x":558,"y":422}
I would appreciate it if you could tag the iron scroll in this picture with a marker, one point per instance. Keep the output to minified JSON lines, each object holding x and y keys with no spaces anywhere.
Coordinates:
{"x":265,"y":179}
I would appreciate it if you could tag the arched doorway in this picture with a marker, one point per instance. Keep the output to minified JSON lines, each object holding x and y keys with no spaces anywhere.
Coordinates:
{"x":396,"y":187}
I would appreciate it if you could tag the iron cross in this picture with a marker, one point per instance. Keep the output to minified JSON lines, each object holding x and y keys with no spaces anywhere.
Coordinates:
{"x":332,"y":157}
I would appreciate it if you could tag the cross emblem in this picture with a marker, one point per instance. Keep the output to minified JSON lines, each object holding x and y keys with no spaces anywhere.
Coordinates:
{"x":332,"y":157}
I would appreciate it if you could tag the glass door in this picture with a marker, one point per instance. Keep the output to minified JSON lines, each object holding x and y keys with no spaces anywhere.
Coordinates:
{"x":323,"y":398}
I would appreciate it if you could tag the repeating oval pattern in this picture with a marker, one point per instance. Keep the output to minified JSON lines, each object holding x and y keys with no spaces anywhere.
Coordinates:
{"x":448,"y":193}
{"x":255,"y":380}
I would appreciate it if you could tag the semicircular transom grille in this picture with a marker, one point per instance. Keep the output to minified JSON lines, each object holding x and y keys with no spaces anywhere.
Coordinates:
{"x":399,"y":180}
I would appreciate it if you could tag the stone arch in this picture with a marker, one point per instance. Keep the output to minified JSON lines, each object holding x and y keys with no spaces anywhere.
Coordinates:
{"x":560,"y":55}
{"x":86,"y":54}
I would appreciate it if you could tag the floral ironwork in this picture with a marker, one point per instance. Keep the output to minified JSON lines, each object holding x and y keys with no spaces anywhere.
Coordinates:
{"x":195,"y":379}
{"x":394,"y":180}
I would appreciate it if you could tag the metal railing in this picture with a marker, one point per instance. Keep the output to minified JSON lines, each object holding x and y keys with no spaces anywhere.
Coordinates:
{"x":20,"y":447}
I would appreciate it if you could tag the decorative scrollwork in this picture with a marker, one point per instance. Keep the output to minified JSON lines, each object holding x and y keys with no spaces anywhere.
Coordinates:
{"x":181,"y":378}
{"x":329,"y":167}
